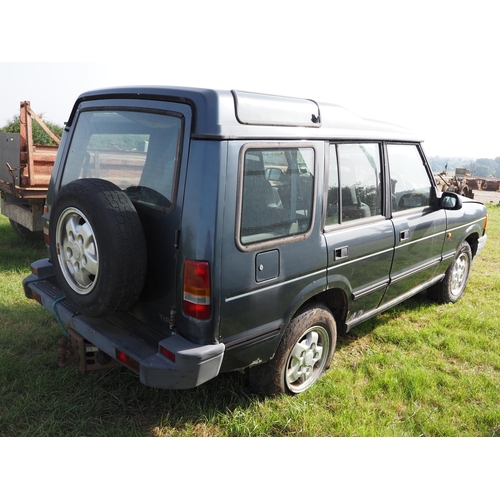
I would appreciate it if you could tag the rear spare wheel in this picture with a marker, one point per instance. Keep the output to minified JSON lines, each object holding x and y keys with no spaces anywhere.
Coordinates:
{"x":97,"y":247}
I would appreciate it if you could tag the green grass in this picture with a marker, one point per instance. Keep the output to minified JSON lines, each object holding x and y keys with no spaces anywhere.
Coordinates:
{"x":417,"y":370}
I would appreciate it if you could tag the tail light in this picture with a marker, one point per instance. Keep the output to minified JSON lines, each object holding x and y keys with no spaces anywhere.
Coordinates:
{"x":168,"y":354}
{"x":196,"y":299}
{"x":127,"y":360}
{"x":36,"y":296}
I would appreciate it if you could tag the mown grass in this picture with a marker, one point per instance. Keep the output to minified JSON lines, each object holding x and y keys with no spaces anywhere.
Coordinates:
{"x":420,"y":369}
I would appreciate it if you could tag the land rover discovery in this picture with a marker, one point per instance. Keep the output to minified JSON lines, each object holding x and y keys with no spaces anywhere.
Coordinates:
{"x":192,"y":232}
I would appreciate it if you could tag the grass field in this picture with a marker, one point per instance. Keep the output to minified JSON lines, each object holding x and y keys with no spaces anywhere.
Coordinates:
{"x":420,"y":369}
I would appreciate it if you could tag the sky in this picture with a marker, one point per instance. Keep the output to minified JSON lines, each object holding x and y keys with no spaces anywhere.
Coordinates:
{"x":431,"y":66}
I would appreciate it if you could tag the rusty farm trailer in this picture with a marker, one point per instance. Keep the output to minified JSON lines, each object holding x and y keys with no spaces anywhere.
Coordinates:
{"x":25,"y":170}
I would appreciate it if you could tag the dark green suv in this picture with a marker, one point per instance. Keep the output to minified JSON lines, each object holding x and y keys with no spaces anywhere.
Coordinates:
{"x":194,"y":231}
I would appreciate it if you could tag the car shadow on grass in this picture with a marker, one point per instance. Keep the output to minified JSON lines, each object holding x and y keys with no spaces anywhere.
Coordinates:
{"x":378,"y":321}
{"x":119,"y":404}
{"x":44,"y":399}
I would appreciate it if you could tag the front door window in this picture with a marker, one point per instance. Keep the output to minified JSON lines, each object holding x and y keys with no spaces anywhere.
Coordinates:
{"x":410,"y":184}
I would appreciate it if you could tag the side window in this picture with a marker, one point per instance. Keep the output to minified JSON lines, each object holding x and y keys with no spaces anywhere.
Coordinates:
{"x":276,"y":194}
{"x":410,"y":183}
{"x":357,"y":167}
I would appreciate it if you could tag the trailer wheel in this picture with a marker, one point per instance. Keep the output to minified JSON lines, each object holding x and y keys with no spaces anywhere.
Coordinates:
{"x":304,"y":353}
{"x":97,"y":247}
{"x":25,"y":233}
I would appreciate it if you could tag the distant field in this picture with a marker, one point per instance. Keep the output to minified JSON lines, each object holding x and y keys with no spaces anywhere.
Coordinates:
{"x":420,"y":369}
{"x":487,"y":196}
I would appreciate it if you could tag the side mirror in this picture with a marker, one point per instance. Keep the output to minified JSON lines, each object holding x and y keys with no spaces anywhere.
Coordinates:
{"x":450,"y":201}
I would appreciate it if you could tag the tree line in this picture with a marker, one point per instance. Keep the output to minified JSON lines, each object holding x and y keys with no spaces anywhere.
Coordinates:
{"x":13,"y":126}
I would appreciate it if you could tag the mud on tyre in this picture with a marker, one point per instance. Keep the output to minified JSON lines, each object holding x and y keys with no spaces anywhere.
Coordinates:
{"x":97,"y":247}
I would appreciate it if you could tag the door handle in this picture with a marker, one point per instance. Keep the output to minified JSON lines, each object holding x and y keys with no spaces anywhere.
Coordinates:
{"x":341,"y":253}
{"x":404,"y":235}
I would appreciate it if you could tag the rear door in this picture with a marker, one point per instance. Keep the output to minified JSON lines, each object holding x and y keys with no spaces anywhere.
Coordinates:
{"x":419,"y":225}
{"x":360,"y":238}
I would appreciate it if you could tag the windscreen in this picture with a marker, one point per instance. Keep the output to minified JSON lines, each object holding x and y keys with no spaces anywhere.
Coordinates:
{"x":136,"y":150}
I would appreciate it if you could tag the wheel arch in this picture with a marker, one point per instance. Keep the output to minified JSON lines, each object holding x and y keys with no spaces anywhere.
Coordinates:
{"x":334,"y":299}
{"x":472,"y":239}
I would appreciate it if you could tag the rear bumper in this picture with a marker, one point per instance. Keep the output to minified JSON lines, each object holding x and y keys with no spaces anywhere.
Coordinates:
{"x":190,"y":364}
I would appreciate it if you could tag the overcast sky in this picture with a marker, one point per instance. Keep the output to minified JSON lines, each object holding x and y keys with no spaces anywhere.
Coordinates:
{"x":431,"y":66}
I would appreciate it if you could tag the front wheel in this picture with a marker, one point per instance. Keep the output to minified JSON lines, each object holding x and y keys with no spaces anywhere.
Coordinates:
{"x":305,"y":352}
{"x":453,"y":285}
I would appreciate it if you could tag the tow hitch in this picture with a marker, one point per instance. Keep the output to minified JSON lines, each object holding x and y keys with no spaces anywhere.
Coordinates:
{"x":74,"y":349}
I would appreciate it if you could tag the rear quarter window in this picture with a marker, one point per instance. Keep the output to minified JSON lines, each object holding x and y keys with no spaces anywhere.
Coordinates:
{"x":276,"y":193}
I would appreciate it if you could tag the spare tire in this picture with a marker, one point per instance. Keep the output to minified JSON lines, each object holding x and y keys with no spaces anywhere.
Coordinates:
{"x":97,"y":247}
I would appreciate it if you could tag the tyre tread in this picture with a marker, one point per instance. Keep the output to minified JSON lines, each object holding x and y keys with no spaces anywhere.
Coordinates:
{"x":114,"y":217}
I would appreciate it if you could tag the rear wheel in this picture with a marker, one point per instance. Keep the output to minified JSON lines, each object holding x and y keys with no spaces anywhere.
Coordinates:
{"x":455,"y":280}
{"x":305,"y":352}
{"x":97,"y":247}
